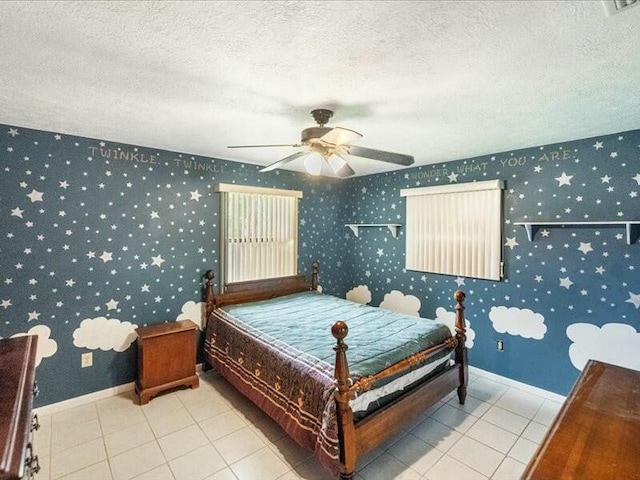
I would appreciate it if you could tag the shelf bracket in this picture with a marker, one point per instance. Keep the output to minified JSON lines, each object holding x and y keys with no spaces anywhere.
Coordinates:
{"x":354,"y":229}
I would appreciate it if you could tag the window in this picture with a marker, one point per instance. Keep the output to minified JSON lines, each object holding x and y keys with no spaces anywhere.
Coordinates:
{"x":455,"y":229}
{"x":259,"y":232}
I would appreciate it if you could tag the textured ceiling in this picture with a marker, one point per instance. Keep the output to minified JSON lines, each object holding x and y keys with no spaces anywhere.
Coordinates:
{"x":437,"y":80}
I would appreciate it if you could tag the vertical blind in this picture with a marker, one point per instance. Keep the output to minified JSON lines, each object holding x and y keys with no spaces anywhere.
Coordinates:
{"x":455,"y":229}
{"x":260,"y":233}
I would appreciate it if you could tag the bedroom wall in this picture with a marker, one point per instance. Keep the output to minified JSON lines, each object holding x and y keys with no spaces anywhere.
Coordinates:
{"x":569,"y":295}
{"x":100,"y":237}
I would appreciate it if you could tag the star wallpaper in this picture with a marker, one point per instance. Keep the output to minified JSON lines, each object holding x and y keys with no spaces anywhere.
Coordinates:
{"x":99,"y":238}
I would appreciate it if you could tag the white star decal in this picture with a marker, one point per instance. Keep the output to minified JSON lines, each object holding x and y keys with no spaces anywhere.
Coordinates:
{"x":57,"y":136}
{"x":605,"y":179}
{"x":158,"y":261}
{"x":380,"y":252}
{"x":145,"y":288}
{"x":564,"y":179}
{"x":453,"y":177}
{"x":538,"y":278}
{"x":16,"y":212}
{"x":70,"y":283}
{"x":35,"y":196}
{"x":195,"y":196}
{"x":585,"y":247}
{"x":33,"y":316}
{"x":5,"y":304}
{"x":155,"y":215}
{"x":106,"y":256}
{"x":511,"y":242}
{"x":13,"y":132}
{"x":459,"y":281}
{"x":566,"y":282}
{"x":635,"y":299}
{"x":636,"y":178}
{"x":537,"y":169}
{"x":598,"y":145}
{"x":63,"y":184}
{"x":112,"y":304}
{"x":545,"y":233}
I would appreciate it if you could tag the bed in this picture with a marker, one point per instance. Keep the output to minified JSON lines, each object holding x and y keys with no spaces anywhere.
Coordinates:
{"x":270,"y":339}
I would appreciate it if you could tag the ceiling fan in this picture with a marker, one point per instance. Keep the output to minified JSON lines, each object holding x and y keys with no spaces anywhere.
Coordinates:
{"x":329,"y":146}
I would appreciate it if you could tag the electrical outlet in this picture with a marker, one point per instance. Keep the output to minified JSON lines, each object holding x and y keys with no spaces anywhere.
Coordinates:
{"x":500,"y":345}
{"x":86,"y":359}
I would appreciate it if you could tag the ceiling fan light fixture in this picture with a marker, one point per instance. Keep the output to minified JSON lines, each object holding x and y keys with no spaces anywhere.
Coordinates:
{"x":336,"y":162}
{"x":313,"y":163}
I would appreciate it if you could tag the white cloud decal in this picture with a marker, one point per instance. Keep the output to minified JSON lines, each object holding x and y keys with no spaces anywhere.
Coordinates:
{"x":104,"y":334}
{"x":399,"y":302}
{"x":196,"y":312}
{"x":449,"y":319}
{"x":360,"y":294}
{"x":615,"y":343}
{"x":46,"y":346}
{"x":518,"y":322}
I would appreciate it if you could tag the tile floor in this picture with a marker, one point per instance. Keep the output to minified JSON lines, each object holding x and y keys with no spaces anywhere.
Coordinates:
{"x":213,"y":433}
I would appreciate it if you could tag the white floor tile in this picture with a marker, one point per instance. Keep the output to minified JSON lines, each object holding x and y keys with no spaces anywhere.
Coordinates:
{"x":385,"y":467}
{"x":99,"y":471}
{"x":521,"y":403}
{"x":436,"y":434}
{"x":476,"y":455}
{"x":77,"y":458}
{"x":136,"y":461}
{"x":222,"y":425}
{"x":535,"y":432}
{"x":198,"y":464}
{"x":290,"y":452}
{"x":183,"y":441}
{"x":207,"y":409}
{"x":263,"y":464}
{"x":128,"y":439}
{"x":471,"y":405}
{"x":493,"y":436}
{"x":509,"y":469}
{"x":64,"y":436}
{"x":165,"y":423}
{"x":523,"y":450}
{"x":505,"y":419}
{"x":113,"y":421}
{"x":454,"y":418}
{"x":238,"y":445}
{"x":415,"y":453}
{"x":163,"y":472}
{"x":547,"y":412}
{"x":486,"y":390}
{"x":448,"y":468}
{"x":74,"y":416}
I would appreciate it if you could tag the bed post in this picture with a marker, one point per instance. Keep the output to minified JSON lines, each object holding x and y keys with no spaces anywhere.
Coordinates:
{"x":346,"y":429}
{"x":461,"y":349}
{"x":314,"y":275}
{"x":209,"y":297}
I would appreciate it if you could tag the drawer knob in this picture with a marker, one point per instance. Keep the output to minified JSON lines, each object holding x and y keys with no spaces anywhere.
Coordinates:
{"x":35,"y":424}
{"x":36,"y":390}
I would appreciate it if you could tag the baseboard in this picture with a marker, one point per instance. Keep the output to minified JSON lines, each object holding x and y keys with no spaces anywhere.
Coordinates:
{"x":91,"y":397}
{"x":519,"y":385}
{"x":117,"y":390}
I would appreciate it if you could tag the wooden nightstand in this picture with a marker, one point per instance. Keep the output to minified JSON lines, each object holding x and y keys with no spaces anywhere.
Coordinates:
{"x":166,"y":358}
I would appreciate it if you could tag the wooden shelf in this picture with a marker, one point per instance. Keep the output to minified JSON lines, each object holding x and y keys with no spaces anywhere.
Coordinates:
{"x":393,"y":227}
{"x":632,"y":227}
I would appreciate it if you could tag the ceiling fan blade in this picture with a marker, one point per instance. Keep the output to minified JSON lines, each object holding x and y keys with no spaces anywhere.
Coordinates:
{"x":339,"y":136}
{"x":283,"y":162}
{"x":345,"y":171}
{"x":389,"y":157}
{"x":274,"y":145}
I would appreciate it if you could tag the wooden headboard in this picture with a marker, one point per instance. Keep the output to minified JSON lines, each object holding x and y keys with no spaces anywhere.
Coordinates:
{"x":254,"y":290}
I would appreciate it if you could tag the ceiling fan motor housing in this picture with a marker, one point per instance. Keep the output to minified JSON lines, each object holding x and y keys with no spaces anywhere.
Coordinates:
{"x":321,"y":116}
{"x":313,"y":133}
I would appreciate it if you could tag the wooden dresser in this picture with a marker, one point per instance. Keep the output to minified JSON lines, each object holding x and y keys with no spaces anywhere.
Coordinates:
{"x":17,"y":389}
{"x":596,"y":434}
{"x":166,"y":358}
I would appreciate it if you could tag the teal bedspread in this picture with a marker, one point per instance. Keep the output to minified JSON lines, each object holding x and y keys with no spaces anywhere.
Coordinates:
{"x":377,"y":338}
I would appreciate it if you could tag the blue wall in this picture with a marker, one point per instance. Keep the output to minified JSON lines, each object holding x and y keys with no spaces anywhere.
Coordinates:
{"x":122,"y":235}
{"x":585,"y":277}
{"x":116,"y":235}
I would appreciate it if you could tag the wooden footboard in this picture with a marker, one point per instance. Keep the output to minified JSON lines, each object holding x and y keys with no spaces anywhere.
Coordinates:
{"x":356,"y":439}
